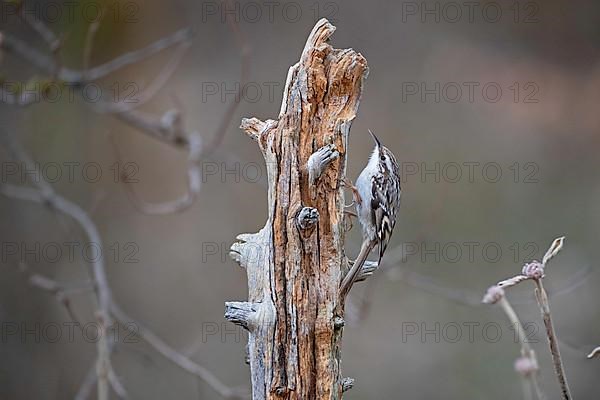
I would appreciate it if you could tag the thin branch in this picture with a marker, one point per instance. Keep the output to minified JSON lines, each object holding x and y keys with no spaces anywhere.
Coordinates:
{"x":47,"y":196}
{"x":44,"y":194}
{"x":90,"y":380}
{"x":28,"y":53}
{"x":121,"y":107}
{"x":154,"y":127}
{"x":133,"y":57}
{"x":172,"y":133}
{"x":59,"y":290}
{"x":116,"y":384}
{"x":244,"y":69}
{"x":192,"y":140}
{"x":89,"y":40}
{"x":126,"y":111}
{"x":52,"y":41}
{"x":174,"y":356}
{"x":150,"y":91}
{"x":79,"y":77}
{"x":87,"y":385}
{"x":52,"y":286}
{"x":194,"y":183}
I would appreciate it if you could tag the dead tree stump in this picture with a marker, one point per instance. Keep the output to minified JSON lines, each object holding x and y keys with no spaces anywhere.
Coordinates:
{"x":296,"y":262}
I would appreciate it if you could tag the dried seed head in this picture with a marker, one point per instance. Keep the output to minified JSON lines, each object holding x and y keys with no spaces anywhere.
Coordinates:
{"x":525,"y":366}
{"x":533,"y":270}
{"x":493,"y":295}
{"x":555,"y":247}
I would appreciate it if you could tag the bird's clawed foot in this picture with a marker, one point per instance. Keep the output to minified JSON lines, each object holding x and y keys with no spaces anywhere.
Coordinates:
{"x":355,"y":195}
{"x":348,"y":215}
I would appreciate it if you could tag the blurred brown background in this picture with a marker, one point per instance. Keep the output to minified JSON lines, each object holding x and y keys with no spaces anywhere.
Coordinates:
{"x":541,"y":133}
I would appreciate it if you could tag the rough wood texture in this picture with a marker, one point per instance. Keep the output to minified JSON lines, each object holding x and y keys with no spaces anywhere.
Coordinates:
{"x":296,"y":262}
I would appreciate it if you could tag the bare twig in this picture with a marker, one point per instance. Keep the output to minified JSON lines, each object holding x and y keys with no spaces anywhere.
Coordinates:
{"x":121,"y":107}
{"x":169,"y":129}
{"x":47,"y":196}
{"x":87,"y":385}
{"x":39,"y":27}
{"x":44,"y":194}
{"x":155,"y":128}
{"x":174,"y":356}
{"x":116,"y":384}
{"x":194,"y":183}
{"x":133,"y":57}
{"x":244,"y":67}
{"x":79,"y":77}
{"x":536,"y":271}
{"x":60,"y":291}
{"x":192,"y":140}
{"x":91,"y":378}
{"x":89,"y":40}
{"x":173,"y":135}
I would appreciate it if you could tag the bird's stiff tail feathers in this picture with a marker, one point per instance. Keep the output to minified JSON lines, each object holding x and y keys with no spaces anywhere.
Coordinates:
{"x":351,"y":276}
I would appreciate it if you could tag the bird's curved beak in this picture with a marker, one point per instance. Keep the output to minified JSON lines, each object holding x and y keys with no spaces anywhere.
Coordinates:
{"x":375,"y":138}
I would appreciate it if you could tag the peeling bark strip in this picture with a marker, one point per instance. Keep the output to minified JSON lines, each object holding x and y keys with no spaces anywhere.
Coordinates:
{"x":296,"y":262}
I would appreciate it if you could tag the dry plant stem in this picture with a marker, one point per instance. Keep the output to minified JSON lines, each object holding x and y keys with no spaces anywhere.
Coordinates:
{"x":526,"y":350}
{"x":294,"y":341}
{"x":542,"y":298}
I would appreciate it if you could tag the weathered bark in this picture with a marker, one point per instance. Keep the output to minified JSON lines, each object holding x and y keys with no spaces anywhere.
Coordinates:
{"x":296,"y":262}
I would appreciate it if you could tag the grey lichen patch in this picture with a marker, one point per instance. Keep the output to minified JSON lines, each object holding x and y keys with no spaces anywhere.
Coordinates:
{"x":307,"y":218}
{"x":347,"y":384}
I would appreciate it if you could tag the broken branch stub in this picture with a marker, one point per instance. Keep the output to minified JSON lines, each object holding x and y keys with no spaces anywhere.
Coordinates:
{"x":295,"y":263}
